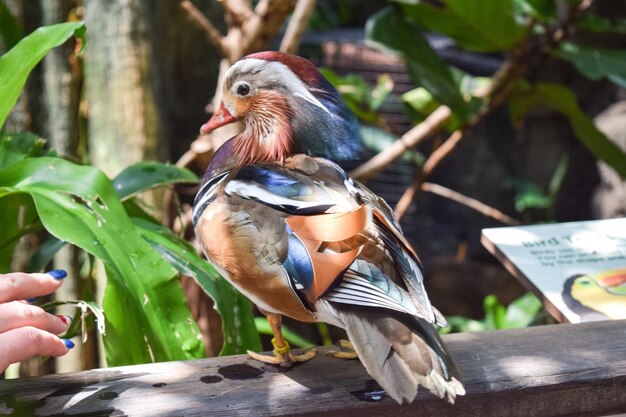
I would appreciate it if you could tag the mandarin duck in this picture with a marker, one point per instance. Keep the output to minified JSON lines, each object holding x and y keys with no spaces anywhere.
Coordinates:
{"x":597,"y":296}
{"x":287,"y":227}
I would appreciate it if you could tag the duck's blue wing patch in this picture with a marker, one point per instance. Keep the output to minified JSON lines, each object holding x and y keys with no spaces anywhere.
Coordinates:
{"x":288,"y":190}
{"x":299,"y":267}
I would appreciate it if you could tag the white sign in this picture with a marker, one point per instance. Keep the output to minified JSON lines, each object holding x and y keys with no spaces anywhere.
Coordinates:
{"x":578,"y":268}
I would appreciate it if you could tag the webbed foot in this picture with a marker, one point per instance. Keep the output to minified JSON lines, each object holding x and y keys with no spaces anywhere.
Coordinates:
{"x":347,"y":353}
{"x":283,"y":355}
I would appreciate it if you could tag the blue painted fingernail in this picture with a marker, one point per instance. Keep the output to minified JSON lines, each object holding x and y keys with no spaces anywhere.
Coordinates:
{"x":68,"y":343}
{"x":31,"y":300}
{"x":57,"y":273}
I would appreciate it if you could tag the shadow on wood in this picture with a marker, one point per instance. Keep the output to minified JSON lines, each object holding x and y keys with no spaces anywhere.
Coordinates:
{"x":557,"y":370}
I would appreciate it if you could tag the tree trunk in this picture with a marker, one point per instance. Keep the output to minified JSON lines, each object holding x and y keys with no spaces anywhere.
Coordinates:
{"x":62,"y":85}
{"x":122,"y":86}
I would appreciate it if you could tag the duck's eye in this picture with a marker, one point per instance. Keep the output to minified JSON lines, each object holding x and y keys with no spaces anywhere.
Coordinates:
{"x":242,"y":89}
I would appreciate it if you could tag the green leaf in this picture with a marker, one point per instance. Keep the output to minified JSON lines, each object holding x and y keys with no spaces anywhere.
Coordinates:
{"x":475,"y":25}
{"x":384,"y":85}
{"x":522,"y":101}
{"x":77,"y":204}
{"x":595,"y":23}
{"x":391,"y":31}
{"x":596,"y":63}
{"x":361,"y":98}
{"x":10,"y":29}
{"x":543,"y":10}
{"x":16,"y":64}
{"x":522,"y":311}
{"x":44,"y":254}
{"x":530,"y":195}
{"x":558,"y":176}
{"x":134,"y":179}
{"x":495,"y":313}
{"x":563,"y":100}
{"x":85,"y":307}
{"x":17,"y":146}
{"x":420,"y":100}
{"x":79,"y":319}
{"x":143,"y":176}
{"x":457,"y":324}
{"x":17,"y":218}
{"x":234,"y":308}
{"x":135,"y":210}
{"x":378,"y":140}
{"x":420,"y":103}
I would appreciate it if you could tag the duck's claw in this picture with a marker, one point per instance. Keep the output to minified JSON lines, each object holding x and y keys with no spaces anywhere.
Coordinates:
{"x":348,"y":353}
{"x":283,"y":355}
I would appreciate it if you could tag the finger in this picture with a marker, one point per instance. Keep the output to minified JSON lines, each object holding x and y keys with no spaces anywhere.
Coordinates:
{"x":20,"y":286}
{"x":16,"y":314}
{"x":20,"y":344}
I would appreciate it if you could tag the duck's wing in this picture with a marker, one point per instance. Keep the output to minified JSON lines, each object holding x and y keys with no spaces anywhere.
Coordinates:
{"x":331,"y":221}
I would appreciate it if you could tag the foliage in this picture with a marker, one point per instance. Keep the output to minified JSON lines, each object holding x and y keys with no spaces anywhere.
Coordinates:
{"x":363,"y":100}
{"x":422,"y":62}
{"x":530,"y":196}
{"x":596,"y":63}
{"x":527,"y":33}
{"x":491,"y":27}
{"x":18,"y":62}
{"x":10,"y":29}
{"x":332,"y":14}
{"x":525,"y":30}
{"x":145,"y":311}
{"x":377,"y":139}
{"x":562,"y":99}
{"x":522,"y":312}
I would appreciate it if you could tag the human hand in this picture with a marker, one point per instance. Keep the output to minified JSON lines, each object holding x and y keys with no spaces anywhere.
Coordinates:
{"x":27,"y":330}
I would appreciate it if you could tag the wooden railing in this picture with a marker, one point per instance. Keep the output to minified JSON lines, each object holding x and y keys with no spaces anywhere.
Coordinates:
{"x":557,"y":370}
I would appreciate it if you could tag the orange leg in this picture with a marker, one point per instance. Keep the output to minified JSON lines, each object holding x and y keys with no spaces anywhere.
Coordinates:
{"x":282,"y":351}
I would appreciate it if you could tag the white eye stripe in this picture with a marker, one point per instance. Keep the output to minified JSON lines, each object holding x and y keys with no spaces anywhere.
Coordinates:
{"x":274,"y":72}
{"x":311,"y":99}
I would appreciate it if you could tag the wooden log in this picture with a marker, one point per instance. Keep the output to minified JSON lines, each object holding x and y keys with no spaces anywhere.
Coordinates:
{"x":557,"y":370}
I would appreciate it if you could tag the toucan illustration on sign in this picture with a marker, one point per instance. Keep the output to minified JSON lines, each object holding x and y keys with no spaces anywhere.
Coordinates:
{"x":597,"y":296}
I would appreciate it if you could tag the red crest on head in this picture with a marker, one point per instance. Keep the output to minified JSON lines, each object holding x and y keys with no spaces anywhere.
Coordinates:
{"x":302,"y":67}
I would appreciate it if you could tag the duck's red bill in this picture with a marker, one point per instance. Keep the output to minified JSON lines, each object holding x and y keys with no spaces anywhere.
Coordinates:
{"x":220,"y":118}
